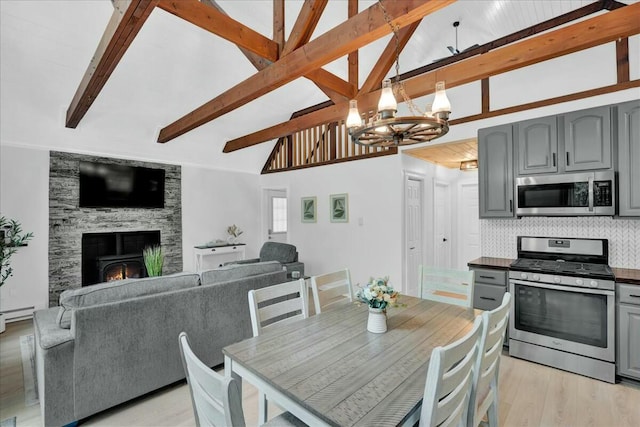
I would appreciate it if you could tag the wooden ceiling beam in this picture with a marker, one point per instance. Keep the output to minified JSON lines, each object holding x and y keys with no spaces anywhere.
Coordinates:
{"x":353,"y":57}
{"x":127,"y":19}
{"x":358,"y":31}
{"x":222,"y":25}
{"x":278,"y":24}
{"x":387,"y":59}
{"x":582,"y":35}
{"x":305,"y":25}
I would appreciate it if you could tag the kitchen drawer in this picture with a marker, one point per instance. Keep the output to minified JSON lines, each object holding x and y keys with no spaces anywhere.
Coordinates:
{"x":487,"y":297}
{"x":629,"y":294}
{"x":492,"y":277}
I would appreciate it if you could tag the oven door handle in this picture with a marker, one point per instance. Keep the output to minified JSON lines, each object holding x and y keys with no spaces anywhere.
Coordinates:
{"x":591,"y":203}
{"x":564,"y":288}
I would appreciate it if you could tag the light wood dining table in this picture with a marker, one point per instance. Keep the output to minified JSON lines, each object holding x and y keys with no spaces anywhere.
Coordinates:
{"x":328,"y":370}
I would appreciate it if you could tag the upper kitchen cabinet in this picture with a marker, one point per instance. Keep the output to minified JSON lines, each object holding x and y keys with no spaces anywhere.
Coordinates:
{"x":537,"y":146}
{"x":629,"y":158}
{"x":587,"y":139}
{"x":495,"y":171}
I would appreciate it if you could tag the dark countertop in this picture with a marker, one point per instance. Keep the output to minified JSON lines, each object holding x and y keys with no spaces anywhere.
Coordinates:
{"x":623,"y":275}
{"x":489,"y":262}
{"x":627,"y":275}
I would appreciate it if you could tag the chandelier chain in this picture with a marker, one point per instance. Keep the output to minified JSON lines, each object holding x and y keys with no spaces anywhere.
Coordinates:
{"x":398,"y":86}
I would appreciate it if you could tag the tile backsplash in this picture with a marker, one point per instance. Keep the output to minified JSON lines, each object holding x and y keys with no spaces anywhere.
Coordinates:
{"x":499,"y":237}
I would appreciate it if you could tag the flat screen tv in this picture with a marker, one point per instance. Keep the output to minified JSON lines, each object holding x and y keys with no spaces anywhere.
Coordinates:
{"x":113,"y":186}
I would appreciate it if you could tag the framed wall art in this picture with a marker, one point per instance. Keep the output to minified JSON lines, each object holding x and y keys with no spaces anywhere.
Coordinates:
{"x":339,"y":205}
{"x":309,"y":209}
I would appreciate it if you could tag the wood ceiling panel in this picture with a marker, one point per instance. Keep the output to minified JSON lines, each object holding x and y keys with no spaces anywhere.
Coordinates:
{"x":448,"y":154}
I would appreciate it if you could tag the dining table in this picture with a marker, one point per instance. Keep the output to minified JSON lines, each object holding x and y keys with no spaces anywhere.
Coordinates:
{"x":328,"y":369}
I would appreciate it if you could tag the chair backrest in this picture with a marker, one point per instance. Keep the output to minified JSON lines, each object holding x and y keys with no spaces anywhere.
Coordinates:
{"x":277,"y":304}
{"x":331,"y":288}
{"x":485,"y":382}
{"x":446,"y":285}
{"x":449,"y":381}
{"x":216,"y":400}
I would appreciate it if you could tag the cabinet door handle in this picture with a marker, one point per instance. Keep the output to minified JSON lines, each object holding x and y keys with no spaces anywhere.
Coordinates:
{"x":510,"y":205}
{"x":634,"y":296}
{"x":213,"y":250}
{"x":487,"y":277}
{"x":488,"y":298}
{"x":554,"y":159}
{"x":567,"y":158}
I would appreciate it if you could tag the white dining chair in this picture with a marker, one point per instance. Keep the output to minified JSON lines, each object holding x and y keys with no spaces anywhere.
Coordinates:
{"x":449,"y":381}
{"x":484,"y":396}
{"x":276,"y":305}
{"x":216,"y":400}
{"x":446,"y":285}
{"x":331,"y":289}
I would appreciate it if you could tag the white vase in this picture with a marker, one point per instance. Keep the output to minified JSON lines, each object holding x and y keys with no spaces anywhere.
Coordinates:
{"x":377,"y":322}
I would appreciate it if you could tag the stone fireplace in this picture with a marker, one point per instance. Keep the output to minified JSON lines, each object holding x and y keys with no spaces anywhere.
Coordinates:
{"x":68,"y":223}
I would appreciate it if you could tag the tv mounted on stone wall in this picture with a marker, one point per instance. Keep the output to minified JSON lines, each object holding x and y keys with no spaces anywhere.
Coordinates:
{"x":105,"y":185}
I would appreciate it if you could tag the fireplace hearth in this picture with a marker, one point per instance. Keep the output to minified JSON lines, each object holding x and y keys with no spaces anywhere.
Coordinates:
{"x":115,"y":256}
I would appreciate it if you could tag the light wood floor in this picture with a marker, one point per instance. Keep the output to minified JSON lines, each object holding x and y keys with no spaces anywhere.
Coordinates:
{"x":530,"y":395}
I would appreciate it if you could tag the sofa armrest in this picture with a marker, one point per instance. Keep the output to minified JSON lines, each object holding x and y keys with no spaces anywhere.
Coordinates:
{"x":294,"y":266}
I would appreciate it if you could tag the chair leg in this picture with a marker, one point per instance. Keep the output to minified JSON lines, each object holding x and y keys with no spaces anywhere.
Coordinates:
{"x":262,"y":408}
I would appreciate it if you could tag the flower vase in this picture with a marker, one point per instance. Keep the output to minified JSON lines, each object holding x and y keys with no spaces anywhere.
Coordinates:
{"x":377,"y":322}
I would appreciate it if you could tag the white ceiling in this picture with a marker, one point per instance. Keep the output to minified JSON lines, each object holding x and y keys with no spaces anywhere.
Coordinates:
{"x":173,"y":67}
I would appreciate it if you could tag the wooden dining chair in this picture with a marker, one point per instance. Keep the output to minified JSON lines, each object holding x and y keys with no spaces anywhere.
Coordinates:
{"x":446,"y":285}
{"x":484,"y":396}
{"x":331,"y":289}
{"x":216,"y":400}
{"x":276,"y":305}
{"x":449,"y":381}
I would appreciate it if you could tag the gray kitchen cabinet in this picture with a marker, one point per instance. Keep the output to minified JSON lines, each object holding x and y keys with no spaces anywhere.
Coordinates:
{"x":587,"y":139}
{"x":629,"y":158}
{"x":537,"y":146}
{"x":628,"y":306}
{"x":489,"y":287}
{"x":495,"y":171}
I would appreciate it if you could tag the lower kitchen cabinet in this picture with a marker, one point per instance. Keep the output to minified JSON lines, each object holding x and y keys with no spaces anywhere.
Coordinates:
{"x":628,"y":360}
{"x":489,"y":287}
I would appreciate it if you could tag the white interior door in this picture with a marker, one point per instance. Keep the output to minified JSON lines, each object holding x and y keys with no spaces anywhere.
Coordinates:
{"x":276,"y":215}
{"x":413,"y":233}
{"x":441,"y":224}
{"x":468,"y":224}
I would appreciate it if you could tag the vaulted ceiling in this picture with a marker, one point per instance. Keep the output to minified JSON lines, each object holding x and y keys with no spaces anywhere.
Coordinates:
{"x":202,"y":75}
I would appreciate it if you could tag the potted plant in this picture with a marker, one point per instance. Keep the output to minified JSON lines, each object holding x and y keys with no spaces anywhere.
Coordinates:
{"x":11,"y":238}
{"x":153,"y":260}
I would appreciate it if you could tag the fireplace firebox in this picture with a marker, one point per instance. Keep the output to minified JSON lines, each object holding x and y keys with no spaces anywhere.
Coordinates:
{"x":115,"y":256}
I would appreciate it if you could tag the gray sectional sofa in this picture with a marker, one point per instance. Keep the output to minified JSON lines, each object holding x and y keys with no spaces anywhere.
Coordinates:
{"x":112,"y":342}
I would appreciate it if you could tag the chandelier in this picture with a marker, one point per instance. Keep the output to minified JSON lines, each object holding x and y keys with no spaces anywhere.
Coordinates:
{"x":385,"y":129}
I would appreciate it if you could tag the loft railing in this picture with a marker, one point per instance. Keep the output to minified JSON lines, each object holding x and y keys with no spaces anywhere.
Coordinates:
{"x":318,"y":146}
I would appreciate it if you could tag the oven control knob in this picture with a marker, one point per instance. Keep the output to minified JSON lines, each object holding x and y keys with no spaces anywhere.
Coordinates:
{"x":579,"y":282}
{"x":593,"y":284}
{"x":523,"y":275}
{"x":536,"y":277}
{"x":557,"y":279}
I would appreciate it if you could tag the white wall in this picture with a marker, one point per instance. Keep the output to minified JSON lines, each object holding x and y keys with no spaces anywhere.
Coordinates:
{"x":370,"y":244}
{"x":24,"y":196}
{"x":212,"y":200}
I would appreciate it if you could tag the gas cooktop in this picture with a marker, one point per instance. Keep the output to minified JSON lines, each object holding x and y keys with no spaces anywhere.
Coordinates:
{"x":567,"y":268}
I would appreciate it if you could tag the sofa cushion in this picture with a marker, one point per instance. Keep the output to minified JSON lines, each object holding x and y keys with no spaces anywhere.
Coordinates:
{"x":276,"y":251}
{"x":238,"y":271}
{"x":119,"y":290}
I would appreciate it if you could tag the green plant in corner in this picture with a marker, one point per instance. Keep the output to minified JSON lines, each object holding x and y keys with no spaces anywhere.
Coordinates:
{"x":153,"y":260}
{"x":11,"y":238}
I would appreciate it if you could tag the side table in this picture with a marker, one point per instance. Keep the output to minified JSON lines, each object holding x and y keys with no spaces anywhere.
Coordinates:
{"x":222,"y":252}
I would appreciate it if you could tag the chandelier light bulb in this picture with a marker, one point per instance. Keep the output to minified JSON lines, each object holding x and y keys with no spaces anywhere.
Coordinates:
{"x":387,"y":106}
{"x":441,"y":102}
{"x":353,"y":119}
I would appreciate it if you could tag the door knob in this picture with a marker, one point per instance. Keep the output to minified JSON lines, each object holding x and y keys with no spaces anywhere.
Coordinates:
{"x":444,"y":239}
{"x":412,"y":248}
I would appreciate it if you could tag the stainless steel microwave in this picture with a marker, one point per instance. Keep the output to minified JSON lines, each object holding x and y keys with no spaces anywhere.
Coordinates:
{"x":573,"y":194}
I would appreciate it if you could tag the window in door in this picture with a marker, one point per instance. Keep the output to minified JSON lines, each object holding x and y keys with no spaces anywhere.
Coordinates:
{"x":278,"y":219}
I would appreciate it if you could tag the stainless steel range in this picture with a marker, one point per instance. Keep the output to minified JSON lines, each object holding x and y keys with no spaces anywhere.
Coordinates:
{"x":563,"y":311}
